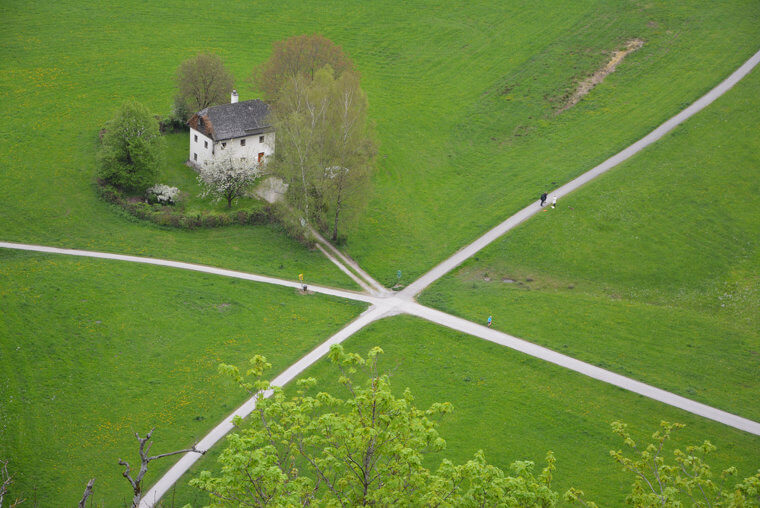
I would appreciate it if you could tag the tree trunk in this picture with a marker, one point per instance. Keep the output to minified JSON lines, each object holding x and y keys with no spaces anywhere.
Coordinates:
{"x":87,"y":493}
{"x":335,"y":225}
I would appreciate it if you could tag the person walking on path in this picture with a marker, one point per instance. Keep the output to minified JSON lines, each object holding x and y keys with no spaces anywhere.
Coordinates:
{"x":490,"y":320}
{"x":303,"y":284}
{"x":543,"y":199}
{"x":554,"y":201}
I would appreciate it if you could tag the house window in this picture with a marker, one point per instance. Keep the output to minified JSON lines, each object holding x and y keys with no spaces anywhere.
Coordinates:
{"x":242,"y":142}
{"x":195,"y":156}
{"x":196,"y":138}
{"x":205,"y":144}
{"x":261,"y":156}
{"x":261,"y":139}
{"x":224,"y":145}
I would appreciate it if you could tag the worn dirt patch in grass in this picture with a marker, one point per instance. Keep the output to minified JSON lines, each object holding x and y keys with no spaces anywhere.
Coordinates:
{"x":585,"y":86}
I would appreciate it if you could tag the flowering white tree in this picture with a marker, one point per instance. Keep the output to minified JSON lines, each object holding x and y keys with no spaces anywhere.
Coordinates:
{"x":227,"y":178}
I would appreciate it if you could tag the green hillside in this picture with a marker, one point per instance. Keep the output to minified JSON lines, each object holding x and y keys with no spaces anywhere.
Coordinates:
{"x":650,"y":271}
{"x":93,"y":351}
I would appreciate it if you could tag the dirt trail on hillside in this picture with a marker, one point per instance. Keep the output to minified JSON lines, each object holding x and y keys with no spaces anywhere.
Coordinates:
{"x":585,"y":86}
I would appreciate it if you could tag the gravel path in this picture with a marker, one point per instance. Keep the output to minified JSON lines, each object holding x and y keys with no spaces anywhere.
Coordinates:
{"x":341,"y":293}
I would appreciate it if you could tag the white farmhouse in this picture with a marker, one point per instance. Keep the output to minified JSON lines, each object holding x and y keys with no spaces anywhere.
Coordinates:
{"x":238,"y":129}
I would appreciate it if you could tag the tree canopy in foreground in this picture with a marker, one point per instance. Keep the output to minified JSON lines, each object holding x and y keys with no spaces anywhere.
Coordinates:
{"x":686,"y":480}
{"x":365,"y":449}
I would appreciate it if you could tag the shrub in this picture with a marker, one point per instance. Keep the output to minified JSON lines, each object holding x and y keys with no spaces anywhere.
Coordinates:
{"x":290,"y":221}
{"x":162,"y":194}
{"x":174,"y":217}
{"x":131,"y":150}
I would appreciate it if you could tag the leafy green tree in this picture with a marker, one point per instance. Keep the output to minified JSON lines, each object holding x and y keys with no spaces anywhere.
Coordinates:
{"x":365,"y":449}
{"x":204,"y":81}
{"x":324,"y":146}
{"x":686,"y":480}
{"x":351,"y":150}
{"x":132,"y":148}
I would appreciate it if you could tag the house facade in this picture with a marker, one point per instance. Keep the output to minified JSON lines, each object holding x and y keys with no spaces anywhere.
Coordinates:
{"x":238,"y":130}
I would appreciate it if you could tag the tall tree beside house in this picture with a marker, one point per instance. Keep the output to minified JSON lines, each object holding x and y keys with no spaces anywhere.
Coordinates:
{"x":324,"y":146}
{"x":301,"y":54}
{"x":366,"y":449}
{"x":351,"y":150}
{"x":131,"y":149}
{"x":204,"y":81}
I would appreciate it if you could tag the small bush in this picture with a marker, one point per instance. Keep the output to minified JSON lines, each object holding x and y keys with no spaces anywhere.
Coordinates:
{"x":210,"y":221}
{"x":290,"y":221}
{"x":162,"y":194}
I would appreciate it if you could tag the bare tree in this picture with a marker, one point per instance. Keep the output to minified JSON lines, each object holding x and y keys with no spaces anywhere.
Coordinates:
{"x":87,"y":493}
{"x":145,"y":459}
{"x":203,"y":81}
{"x":299,"y":55}
{"x":5,"y":482}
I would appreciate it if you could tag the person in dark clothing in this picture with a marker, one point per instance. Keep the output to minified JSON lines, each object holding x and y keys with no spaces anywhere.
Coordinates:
{"x":543,"y":199}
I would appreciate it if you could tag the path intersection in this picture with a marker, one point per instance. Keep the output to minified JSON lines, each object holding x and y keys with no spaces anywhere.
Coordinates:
{"x":385,"y":303}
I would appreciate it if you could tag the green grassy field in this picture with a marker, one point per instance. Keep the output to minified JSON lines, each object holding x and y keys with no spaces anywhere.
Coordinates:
{"x":651,"y":271}
{"x":93,"y":351}
{"x":516,"y":408}
{"x":462,"y":95}
{"x":479,"y":138}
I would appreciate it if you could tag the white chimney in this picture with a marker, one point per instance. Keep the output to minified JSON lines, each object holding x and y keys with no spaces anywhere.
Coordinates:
{"x":233,"y":97}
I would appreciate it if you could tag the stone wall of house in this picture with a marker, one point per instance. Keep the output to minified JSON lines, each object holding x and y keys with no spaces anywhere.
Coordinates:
{"x":254,"y":145}
{"x":201,"y":148}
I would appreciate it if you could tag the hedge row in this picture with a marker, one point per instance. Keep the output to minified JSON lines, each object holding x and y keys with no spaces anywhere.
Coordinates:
{"x":172,"y":217}
{"x":169,"y":216}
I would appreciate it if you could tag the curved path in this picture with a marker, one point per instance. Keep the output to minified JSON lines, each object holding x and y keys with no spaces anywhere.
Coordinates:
{"x":385,"y":304}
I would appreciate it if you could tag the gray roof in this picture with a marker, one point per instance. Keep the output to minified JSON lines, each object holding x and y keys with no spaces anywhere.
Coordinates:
{"x":233,"y":120}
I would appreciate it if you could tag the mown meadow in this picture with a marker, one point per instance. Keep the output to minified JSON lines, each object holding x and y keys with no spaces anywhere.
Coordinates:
{"x":650,"y":271}
{"x":463,"y":96}
{"x":93,"y":351}
{"x":465,"y":99}
{"x":480,"y":137}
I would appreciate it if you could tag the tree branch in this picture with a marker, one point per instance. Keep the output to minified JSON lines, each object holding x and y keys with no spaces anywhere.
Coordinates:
{"x":87,"y":493}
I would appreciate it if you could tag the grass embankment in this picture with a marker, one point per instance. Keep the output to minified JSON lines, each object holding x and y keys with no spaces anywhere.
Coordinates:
{"x":650,"y":271}
{"x":517,"y":408}
{"x":93,"y":351}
